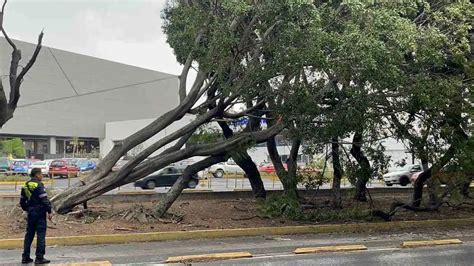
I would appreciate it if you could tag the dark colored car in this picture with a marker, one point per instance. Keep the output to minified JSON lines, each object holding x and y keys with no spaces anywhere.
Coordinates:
{"x":166,"y":177}
{"x":60,"y":168}
{"x":5,"y":164}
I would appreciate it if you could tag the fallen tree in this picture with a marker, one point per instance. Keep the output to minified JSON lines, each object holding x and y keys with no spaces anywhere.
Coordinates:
{"x":226,"y":45}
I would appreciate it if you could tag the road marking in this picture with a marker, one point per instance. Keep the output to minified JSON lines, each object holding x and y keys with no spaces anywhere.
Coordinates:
{"x":89,"y":263}
{"x":329,"y":249}
{"x":209,"y":257}
{"x":414,"y":244}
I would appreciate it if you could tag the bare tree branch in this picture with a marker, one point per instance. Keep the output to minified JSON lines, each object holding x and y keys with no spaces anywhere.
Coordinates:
{"x":15,"y":91}
{"x":7,"y":109}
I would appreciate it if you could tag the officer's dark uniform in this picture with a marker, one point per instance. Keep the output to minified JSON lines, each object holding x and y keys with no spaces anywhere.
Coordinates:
{"x":34,"y":200}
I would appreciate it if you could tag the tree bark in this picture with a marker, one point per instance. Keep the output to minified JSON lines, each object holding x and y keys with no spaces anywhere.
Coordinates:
{"x":8,"y":106}
{"x":364,"y":165}
{"x":244,"y":161}
{"x":432,"y":185}
{"x":66,"y":200}
{"x":162,"y":207}
{"x":428,"y":173}
{"x":287,"y":178}
{"x":336,"y":182}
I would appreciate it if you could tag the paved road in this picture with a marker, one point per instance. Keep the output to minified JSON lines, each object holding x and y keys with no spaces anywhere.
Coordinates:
{"x":215,"y":184}
{"x":271,"y":250}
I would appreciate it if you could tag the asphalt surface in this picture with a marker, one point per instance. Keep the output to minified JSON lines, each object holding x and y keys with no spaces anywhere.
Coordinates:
{"x":215,"y":184}
{"x":274,"y":250}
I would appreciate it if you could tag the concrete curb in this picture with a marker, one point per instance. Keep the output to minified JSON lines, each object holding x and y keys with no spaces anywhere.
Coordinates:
{"x":209,"y":257}
{"x":240,"y":232}
{"x":324,"y":249}
{"x":428,"y":243}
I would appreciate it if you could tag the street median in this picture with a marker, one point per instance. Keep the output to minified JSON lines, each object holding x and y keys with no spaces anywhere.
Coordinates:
{"x":243,"y":232}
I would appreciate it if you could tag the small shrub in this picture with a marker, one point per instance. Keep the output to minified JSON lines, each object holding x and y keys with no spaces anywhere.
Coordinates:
{"x":282,"y":206}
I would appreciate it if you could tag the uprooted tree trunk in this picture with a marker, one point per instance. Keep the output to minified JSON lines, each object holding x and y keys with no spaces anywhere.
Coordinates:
{"x":337,"y":167}
{"x":65,"y":201}
{"x":244,"y":161}
{"x":103,"y":179}
{"x":8,"y":106}
{"x":287,"y":177}
{"x":364,"y":173}
{"x":174,"y":192}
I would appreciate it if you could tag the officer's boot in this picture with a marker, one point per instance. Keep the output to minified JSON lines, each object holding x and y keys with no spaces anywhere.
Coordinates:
{"x":41,"y":261}
{"x":26,"y":260}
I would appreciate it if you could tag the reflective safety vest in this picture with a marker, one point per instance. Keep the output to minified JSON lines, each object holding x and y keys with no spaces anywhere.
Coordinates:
{"x":29,"y":188}
{"x":34,"y":195}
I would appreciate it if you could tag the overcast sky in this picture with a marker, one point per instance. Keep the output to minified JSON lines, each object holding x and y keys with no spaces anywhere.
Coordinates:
{"x":118,"y":30}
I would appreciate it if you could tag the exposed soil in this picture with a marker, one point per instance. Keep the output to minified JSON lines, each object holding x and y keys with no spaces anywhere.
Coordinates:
{"x":198,"y":215}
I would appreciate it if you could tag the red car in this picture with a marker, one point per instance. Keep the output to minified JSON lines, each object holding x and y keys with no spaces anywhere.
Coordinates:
{"x":269,"y":168}
{"x":61,"y":168}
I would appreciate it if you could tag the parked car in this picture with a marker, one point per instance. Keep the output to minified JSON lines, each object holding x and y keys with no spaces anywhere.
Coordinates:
{"x":165,"y":177}
{"x":269,"y":168}
{"x":5,"y":164}
{"x":85,"y":165}
{"x":401,"y":176}
{"x":61,"y":168}
{"x":72,"y":161}
{"x":229,"y":167}
{"x":20,"y":166}
{"x":447,"y":176}
{"x":43,"y":165}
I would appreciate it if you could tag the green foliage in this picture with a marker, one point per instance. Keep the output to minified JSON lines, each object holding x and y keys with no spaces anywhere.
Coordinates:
{"x":312,"y":178}
{"x":14,"y":147}
{"x":332,"y":68}
{"x":204,"y":135}
{"x":282,"y":206}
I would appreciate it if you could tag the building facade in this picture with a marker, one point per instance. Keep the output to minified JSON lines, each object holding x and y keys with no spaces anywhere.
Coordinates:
{"x":67,"y":99}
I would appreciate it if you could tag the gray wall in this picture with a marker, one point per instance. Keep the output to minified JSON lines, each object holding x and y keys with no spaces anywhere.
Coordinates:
{"x":67,"y":94}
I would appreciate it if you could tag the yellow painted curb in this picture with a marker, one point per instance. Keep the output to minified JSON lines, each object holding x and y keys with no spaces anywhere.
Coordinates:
{"x":426,"y":243}
{"x":242,"y":189}
{"x":209,"y":257}
{"x":89,"y":263}
{"x":240,"y":232}
{"x":10,"y":194}
{"x":192,"y":191}
{"x":330,"y":249}
{"x":20,"y":183}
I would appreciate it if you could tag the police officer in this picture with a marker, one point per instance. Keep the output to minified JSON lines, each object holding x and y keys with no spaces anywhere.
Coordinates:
{"x":34,"y":200}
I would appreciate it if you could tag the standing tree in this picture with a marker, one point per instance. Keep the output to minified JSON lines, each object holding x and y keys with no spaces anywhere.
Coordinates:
{"x":8,"y":105}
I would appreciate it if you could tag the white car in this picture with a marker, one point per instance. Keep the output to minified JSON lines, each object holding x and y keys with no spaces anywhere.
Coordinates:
{"x":229,"y":167}
{"x":43,"y":165}
{"x":401,"y":176}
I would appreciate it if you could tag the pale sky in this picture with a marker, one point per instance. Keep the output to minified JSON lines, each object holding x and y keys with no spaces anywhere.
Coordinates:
{"x":126,"y":31}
